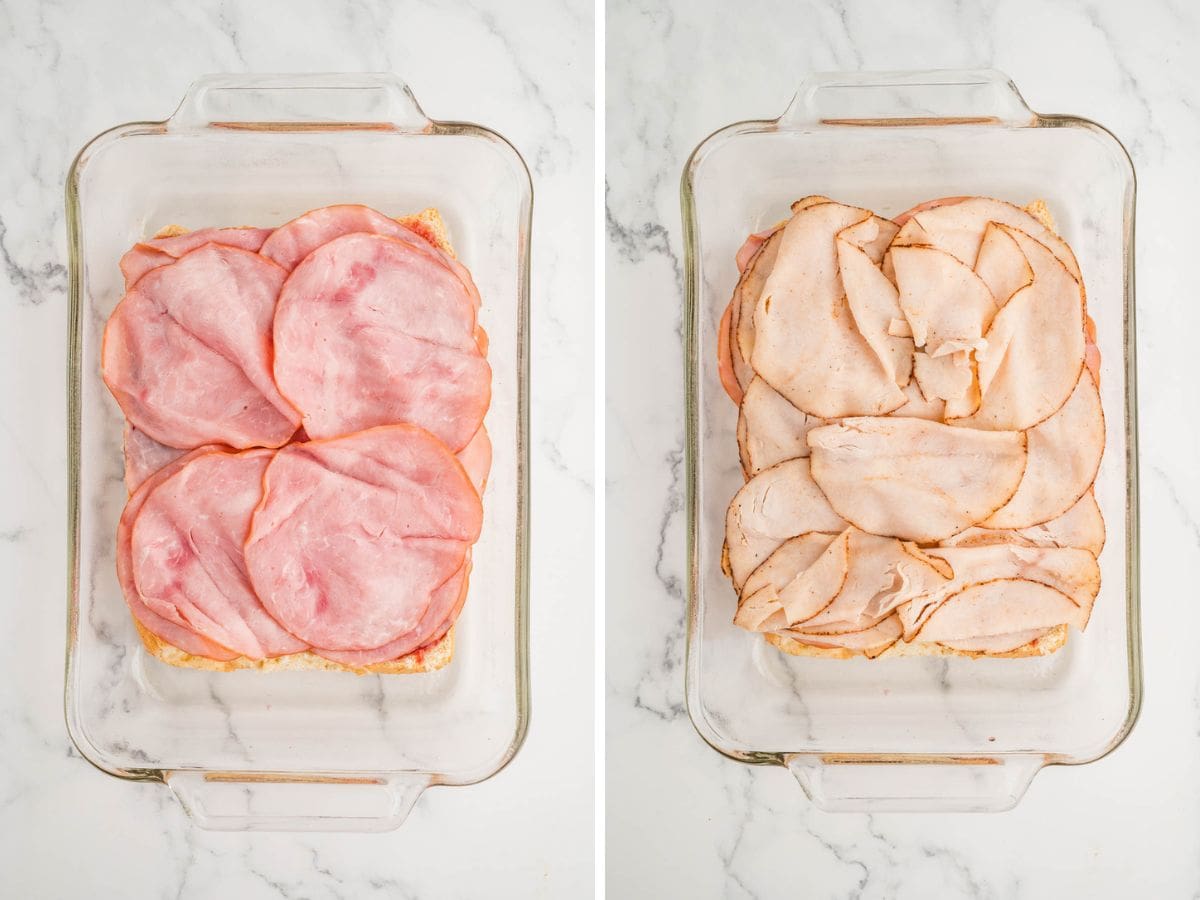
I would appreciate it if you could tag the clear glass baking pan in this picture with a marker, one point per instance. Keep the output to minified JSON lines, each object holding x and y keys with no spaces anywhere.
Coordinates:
{"x":910,"y":733}
{"x":297,"y":750}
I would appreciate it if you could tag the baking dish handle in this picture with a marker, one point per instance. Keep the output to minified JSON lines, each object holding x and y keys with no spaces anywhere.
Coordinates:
{"x":368,"y":101}
{"x":255,"y":802}
{"x":900,"y":784}
{"x":976,"y":96}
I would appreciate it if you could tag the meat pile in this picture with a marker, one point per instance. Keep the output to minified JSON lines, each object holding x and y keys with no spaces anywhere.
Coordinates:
{"x":304,"y":442}
{"x":919,"y":428}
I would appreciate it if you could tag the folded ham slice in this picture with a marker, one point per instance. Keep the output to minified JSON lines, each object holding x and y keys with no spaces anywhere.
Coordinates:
{"x":355,"y":534}
{"x":187,"y":553}
{"x":290,"y":243}
{"x":187,"y":352}
{"x":165,"y":250}
{"x":371,"y":332}
{"x":181,"y":636}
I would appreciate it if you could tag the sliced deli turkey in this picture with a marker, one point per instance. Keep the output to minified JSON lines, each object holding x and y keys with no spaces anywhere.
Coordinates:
{"x":920,"y":428}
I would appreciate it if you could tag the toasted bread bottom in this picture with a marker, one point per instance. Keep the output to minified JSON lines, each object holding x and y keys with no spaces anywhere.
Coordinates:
{"x":427,"y":223}
{"x":1043,"y":646}
{"x":427,"y":659}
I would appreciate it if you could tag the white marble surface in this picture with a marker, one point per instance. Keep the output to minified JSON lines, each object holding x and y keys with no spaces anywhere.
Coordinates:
{"x":684,"y":821}
{"x":68,"y":70}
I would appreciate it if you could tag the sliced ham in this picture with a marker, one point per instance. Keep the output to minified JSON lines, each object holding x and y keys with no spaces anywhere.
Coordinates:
{"x":371,"y":332}
{"x":144,"y":456}
{"x":187,"y":352}
{"x":354,"y":534}
{"x":177,"y":635}
{"x":476,"y":458}
{"x":444,"y":606}
{"x":187,"y":553}
{"x":165,"y":250}
{"x":290,"y":243}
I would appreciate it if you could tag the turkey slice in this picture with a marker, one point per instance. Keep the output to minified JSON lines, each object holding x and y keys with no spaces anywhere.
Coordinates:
{"x":1071,"y":570}
{"x":958,"y":228}
{"x":1081,"y":526}
{"x":997,"y":643}
{"x":942,"y":299}
{"x":1001,"y":606}
{"x":776,"y":504}
{"x":883,"y":573}
{"x":795,"y":583}
{"x":948,"y":377}
{"x":1001,"y":264}
{"x":870,"y":642}
{"x":871,"y":296}
{"x":914,"y":479}
{"x":917,"y":407}
{"x":770,"y":429}
{"x":1035,"y":347}
{"x":806,"y":345}
{"x":1064,"y":456}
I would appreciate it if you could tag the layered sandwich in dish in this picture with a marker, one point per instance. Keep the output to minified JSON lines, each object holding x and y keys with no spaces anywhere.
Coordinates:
{"x":305,"y":447}
{"x":920,"y":428}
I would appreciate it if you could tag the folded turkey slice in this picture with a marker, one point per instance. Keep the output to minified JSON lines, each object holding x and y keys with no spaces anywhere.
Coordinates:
{"x":1071,"y":570}
{"x":948,"y":307}
{"x":997,"y":643}
{"x":998,"y":607}
{"x":806,"y":344}
{"x":871,"y":642}
{"x":882,"y":574}
{"x":770,"y":429}
{"x":914,"y":479}
{"x":871,"y":296}
{"x":745,"y":297}
{"x":1064,"y":456}
{"x":776,"y":504}
{"x":1080,"y":526}
{"x":796,"y":582}
{"x":1035,"y":347}
{"x":1001,"y":265}
{"x":958,"y":225}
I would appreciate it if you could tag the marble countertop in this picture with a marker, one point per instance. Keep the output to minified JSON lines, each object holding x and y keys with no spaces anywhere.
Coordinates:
{"x":683,"y":820}
{"x":70,"y":70}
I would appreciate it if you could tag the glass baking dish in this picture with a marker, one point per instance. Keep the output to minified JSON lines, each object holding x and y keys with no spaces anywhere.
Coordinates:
{"x":297,"y":750}
{"x":909,"y":733}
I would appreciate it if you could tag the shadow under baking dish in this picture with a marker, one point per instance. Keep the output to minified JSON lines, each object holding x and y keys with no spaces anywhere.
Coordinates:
{"x":910,"y":733}
{"x":260,"y":150}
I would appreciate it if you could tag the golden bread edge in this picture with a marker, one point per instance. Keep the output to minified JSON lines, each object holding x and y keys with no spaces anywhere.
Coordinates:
{"x":429,"y":658}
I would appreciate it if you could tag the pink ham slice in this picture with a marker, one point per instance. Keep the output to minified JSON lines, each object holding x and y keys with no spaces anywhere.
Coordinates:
{"x":177,"y":635}
{"x":443,"y":609}
{"x":371,"y":332}
{"x":476,"y":458}
{"x":187,"y":352}
{"x":144,"y":456}
{"x":354,"y":534}
{"x":292,"y":242}
{"x":143,"y":257}
{"x":187,"y":553}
